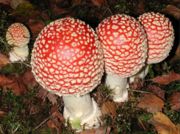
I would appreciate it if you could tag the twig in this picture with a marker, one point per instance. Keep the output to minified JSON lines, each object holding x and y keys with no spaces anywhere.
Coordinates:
{"x":142,"y":124}
{"x":1,"y":130}
{"x":44,"y":121}
{"x":138,"y":91}
{"x":14,"y":131}
{"x":28,"y":65}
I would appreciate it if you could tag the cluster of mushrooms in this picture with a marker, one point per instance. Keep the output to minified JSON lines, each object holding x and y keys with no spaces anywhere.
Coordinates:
{"x":69,"y":58}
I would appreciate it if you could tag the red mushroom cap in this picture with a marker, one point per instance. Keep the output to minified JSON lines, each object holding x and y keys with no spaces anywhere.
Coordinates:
{"x":17,"y":35}
{"x":67,"y":58}
{"x":160,"y":35}
{"x":124,"y":43}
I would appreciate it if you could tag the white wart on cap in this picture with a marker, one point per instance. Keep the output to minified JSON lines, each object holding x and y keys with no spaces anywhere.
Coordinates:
{"x":160,"y":35}
{"x":124,"y":44}
{"x":67,"y":58}
{"x":17,"y":35}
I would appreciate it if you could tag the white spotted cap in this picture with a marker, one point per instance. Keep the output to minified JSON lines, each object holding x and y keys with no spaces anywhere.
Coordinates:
{"x":124,"y":43}
{"x":67,"y":58}
{"x":17,"y":35}
{"x":160,"y":35}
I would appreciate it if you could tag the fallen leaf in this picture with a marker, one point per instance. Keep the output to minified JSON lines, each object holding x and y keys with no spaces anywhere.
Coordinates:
{"x":157,"y":91}
{"x":172,"y":10}
{"x":137,"y":84}
{"x":56,"y":120}
{"x":76,"y":2}
{"x":52,"y":98}
{"x":5,"y":80}
{"x":43,"y":94}
{"x":34,"y":109}
{"x":58,"y":10}
{"x":109,"y":108}
{"x":4,"y":60}
{"x":178,"y":51}
{"x":6,"y":2}
{"x":151,"y":103}
{"x":35,"y":26}
{"x":166,"y":79}
{"x":98,"y":2}
{"x":12,"y":83}
{"x":56,"y":114}
{"x":100,"y":130}
{"x":175,"y":101}
{"x":2,"y":113}
{"x":140,"y":7}
{"x":163,"y":124}
{"x":51,"y":124}
{"x":28,"y":79}
{"x":14,"y":3}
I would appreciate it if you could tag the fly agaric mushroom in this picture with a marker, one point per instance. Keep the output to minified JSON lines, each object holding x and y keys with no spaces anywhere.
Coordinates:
{"x":160,"y":37}
{"x":18,"y":37}
{"x":67,"y":60}
{"x":124,"y":45}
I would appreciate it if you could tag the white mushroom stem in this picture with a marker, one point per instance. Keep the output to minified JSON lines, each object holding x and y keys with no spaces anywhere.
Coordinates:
{"x":118,"y":85}
{"x":141,"y":74}
{"x":19,"y":53}
{"x":82,"y":108}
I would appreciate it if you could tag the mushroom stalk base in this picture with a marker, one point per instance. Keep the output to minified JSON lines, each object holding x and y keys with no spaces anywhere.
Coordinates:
{"x":118,"y":85}
{"x":82,"y":109}
{"x":19,"y":53}
{"x":141,"y":74}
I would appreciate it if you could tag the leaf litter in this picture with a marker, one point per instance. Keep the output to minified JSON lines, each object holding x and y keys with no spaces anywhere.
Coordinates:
{"x":118,"y":118}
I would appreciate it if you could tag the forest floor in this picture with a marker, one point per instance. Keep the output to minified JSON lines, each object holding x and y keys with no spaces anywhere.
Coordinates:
{"x":26,"y":108}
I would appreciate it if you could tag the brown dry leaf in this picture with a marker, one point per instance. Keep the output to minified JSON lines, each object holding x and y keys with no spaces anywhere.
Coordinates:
{"x":140,"y":7}
{"x":6,"y":2}
{"x":137,"y":84}
{"x":163,"y":124}
{"x":35,"y":26}
{"x":76,"y":2}
{"x":157,"y":91}
{"x":178,"y":128}
{"x":98,"y":2}
{"x":28,"y":79}
{"x":177,"y":54}
{"x":5,"y":80}
{"x":33,"y":109}
{"x":4,"y":60}
{"x":109,"y":108}
{"x":151,"y":103}
{"x":56,"y":114}
{"x":175,"y":101}
{"x":43,"y":94}
{"x":12,"y":83}
{"x":101,"y":130}
{"x":166,"y":79}
{"x":172,"y":10}
{"x":52,"y":98}
{"x":58,"y":10}
{"x":51,"y":124}
{"x":56,"y":120}
{"x":2,"y":113}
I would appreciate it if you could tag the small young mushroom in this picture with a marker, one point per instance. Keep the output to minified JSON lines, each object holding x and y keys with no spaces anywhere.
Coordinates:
{"x":67,"y":60}
{"x":160,"y":37}
{"x":18,"y":37}
{"x":124,"y":45}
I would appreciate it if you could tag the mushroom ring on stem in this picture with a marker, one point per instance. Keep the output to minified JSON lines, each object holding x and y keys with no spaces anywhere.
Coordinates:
{"x":67,"y":60}
{"x":160,"y":37}
{"x":18,"y":37}
{"x":125,"y":47}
